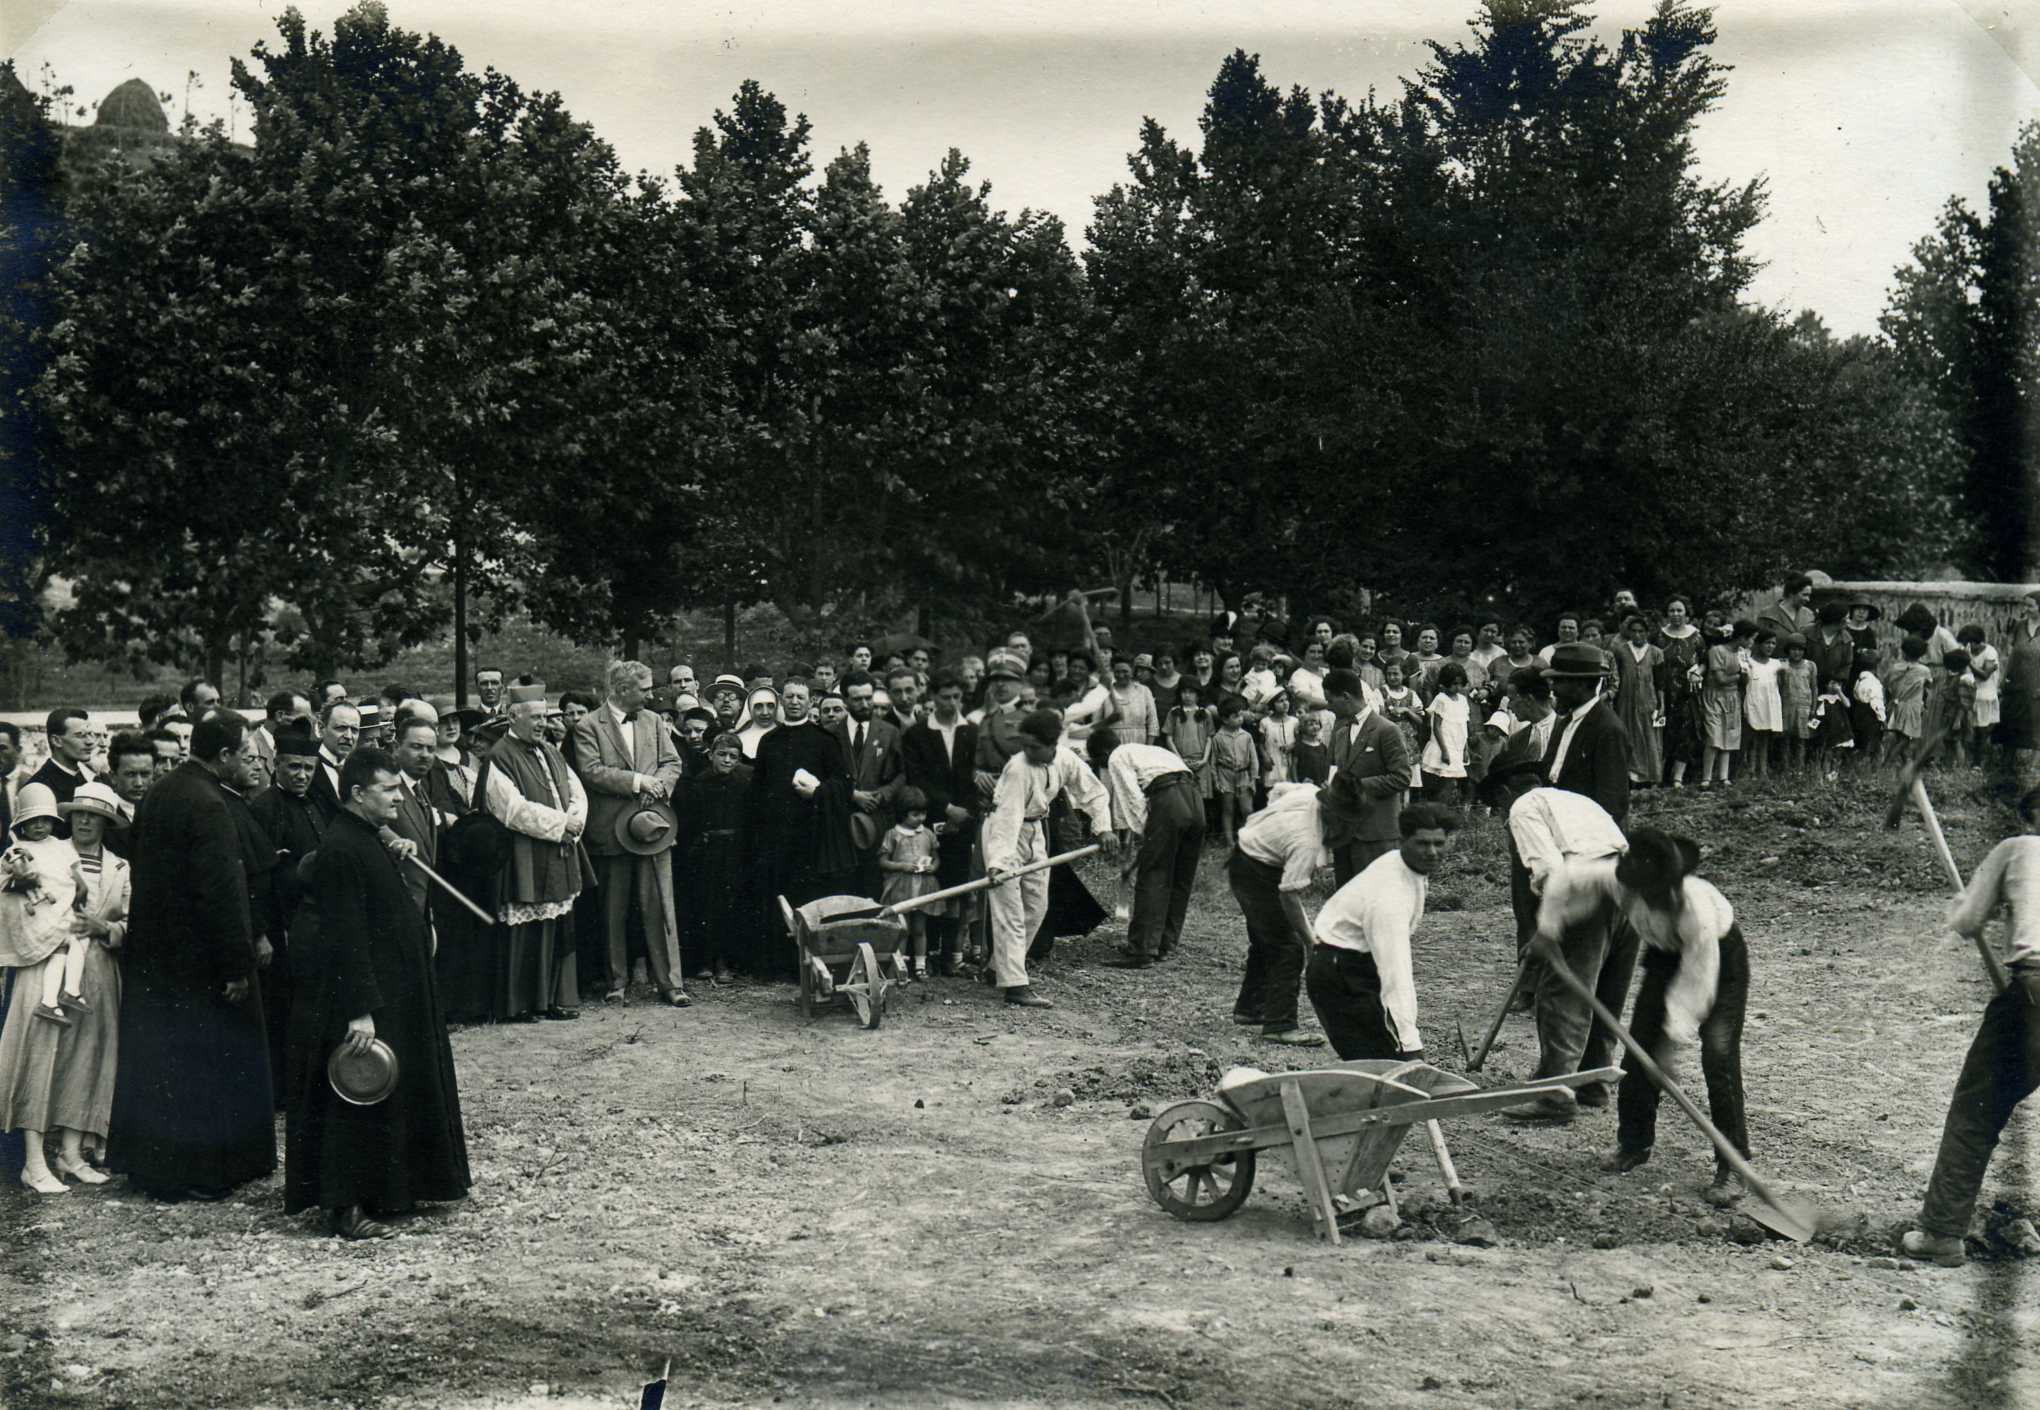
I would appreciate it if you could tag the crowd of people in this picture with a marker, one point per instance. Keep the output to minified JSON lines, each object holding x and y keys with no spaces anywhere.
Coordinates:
{"x":199,"y":915}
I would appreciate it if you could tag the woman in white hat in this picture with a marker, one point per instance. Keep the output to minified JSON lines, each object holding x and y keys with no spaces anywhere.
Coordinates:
{"x":58,"y":1077}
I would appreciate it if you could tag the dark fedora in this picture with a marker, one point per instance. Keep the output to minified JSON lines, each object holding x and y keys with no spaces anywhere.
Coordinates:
{"x":476,"y":845}
{"x":647,"y":829}
{"x":365,"y":1078}
{"x":865,"y":830}
{"x":1656,"y":862}
{"x":1577,"y":659}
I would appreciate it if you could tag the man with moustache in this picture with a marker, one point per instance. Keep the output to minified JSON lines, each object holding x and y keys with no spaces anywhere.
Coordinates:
{"x":871,"y":753}
{"x":339,"y":733}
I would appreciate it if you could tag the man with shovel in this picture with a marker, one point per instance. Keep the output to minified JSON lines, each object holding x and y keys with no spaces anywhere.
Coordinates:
{"x":2003,"y":1066}
{"x":1015,"y":834}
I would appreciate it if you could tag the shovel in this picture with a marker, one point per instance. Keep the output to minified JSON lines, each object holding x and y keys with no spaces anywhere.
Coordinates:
{"x":968,"y":888}
{"x":1494,"y":1029}
{"x":1796,"y":1220}
{"x":1912,"y":788}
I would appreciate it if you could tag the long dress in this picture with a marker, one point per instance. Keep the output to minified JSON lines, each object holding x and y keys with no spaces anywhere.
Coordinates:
{"x":369,"y":953}
{"x":1639,"y":704}
{"x":1682,"y":735}
{"x":54,"y":1077}
{"x":801,"y":845}
{"x":191,"y":1104}
{"x":1721,"y":708}
{"x":1987,"y":686}
{"x":1905,"y":695}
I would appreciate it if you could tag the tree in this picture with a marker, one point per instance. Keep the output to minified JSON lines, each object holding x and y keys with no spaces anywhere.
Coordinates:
{"x":1964,"y":320}
{"x":31,"y":237}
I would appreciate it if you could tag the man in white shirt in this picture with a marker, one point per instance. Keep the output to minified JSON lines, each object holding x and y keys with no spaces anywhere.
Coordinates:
{"x":1550,"y":829}
{"x":1016,"y":834}
{"x":1157,"y":812}
{"x":1360,"y":979}
{"x":1279,"y":850}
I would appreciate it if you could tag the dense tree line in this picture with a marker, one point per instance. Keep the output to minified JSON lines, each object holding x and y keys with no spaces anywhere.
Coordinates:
{"x":1486,"y":340}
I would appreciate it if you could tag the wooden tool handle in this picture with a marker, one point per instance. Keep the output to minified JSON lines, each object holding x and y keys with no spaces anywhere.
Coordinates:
{"x":985,"y":883}
{"x":1992,"y":965}
{"x":1495,"y":1028}
{"x":450,"y":889}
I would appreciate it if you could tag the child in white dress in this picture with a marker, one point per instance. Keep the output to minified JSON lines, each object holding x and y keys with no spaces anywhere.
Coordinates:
{"x":907,"y":858}
{"x":39,"y":873}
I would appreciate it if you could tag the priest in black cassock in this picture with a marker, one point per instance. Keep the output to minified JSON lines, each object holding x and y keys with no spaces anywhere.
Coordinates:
{"x":363,"y":972}
{"x":192,"y":1114}
{"x":797,"y":825}
{"x":295,"y":824}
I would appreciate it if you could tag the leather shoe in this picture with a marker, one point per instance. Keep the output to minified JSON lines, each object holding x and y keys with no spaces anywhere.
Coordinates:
{"x":1295,"y":1038}
{"x":1025,"y":997}
{"x":1943,"y":1249}
{"x":614,"y":996}
{"x":678,"y":998}
{"x":1624,"y":1161}
{"x":351,"y":1223}
{"x":560,"y":1013}
{"x":1594,"y":1094}
{"x":1553,"y":1110}
{"x":1128,"y":962}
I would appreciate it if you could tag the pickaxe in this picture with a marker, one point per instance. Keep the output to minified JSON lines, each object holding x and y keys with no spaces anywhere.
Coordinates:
{"x":1912,"y":787}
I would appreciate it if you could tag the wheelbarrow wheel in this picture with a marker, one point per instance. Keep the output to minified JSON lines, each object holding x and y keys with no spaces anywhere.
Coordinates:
{"x":865,"y":985}
{"x":1199,"y":1193}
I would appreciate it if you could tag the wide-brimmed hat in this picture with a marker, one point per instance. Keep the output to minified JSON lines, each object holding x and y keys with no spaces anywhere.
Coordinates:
{"x":726,"y":681}
{"x":476,"y":844}
{"x":865,"y":830}
{"x":365,"y":1078}
{"x":1876,"y":612}
{"x":1656,"y":862}
{"x":1578,"y":660}
{"x":650,"y":827}
{"x":35,"y":800}
{"x":470,"y":719}
{"x":98,"y":799}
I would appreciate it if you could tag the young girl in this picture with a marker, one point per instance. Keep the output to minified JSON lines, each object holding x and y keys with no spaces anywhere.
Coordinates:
{"x":907,"y":857}
{"x":1798,"y":684}
{"x":1763,"y":709}
{"x":1188,"y":730}
{"x":1831,"y":728}
{"x":1905,"y":696}
{"x":1952,"y":705}
{"x":1983,"y":664}
{"x":1401,"y":708}
{"x":1313,"y":759}
{"x":1278,"y":741}
{"x":1444,"y":762}
{"x":1721,"y":713}
{"x":1866,"y":709}
{"x":1233,"y":763}
{"x":40,"y":875}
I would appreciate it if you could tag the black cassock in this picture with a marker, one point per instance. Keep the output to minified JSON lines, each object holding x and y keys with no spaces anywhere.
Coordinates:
{"x":295,"y":826}
{"x":260,"y":861}
{"x":365,"y":950}
{"x":799,"y":847}
{"x":191,"y":1096}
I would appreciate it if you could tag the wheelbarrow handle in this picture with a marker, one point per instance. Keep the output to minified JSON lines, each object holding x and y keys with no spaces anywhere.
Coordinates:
{"x":985,"y":883}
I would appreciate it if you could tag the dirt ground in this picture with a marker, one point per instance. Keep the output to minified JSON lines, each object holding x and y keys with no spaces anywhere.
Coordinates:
{"x":809,"y":1214}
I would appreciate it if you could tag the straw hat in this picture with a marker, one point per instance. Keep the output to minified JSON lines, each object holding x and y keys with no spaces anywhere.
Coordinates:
{"x":649,"y":828}
{"x":97,"y":799}
{"x":35,"y":801}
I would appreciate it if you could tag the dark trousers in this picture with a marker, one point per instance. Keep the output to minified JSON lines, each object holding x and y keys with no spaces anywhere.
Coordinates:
{"x":1275,"y":952}
{"x":1720,"y":1048}
{"x":2002,"y":1070}
{"x":1166,"y":868}
{"x":1355,"y":857}
{"x":1345,"y":990}
{"x":1601,"y":952}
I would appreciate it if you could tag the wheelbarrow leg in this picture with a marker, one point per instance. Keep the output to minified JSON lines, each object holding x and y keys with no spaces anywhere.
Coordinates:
{"x":1310,"y":1167}
{"x":1444,"y":1158}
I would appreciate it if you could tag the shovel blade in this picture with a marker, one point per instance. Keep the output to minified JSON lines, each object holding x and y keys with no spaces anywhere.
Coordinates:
{"x":1791,"y":1219}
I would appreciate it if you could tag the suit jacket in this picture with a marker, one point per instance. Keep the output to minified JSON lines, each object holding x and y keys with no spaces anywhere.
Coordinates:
{"x":607,"y":765}
{"x":417,"y":821}
{"x":877,"y":766}
{"x":1377,"y":759}
{"x":1597,"y":764}
{"x":324,"y":796}
{"x":946,"y":779}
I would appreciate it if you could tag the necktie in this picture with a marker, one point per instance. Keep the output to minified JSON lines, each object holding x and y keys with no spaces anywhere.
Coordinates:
{"x":630,"y":716}
{"x":856,"y":739}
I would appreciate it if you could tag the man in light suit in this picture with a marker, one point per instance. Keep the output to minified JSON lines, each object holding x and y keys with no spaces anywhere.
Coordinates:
{"x":871,"y":751}
{"x":625,"y":755}
{"x":1374,"y":758}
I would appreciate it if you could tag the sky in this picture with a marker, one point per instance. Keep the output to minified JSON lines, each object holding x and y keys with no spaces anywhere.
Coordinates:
{"x":1863,"y":116}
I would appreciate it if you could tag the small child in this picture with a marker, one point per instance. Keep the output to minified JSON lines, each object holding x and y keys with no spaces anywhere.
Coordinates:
{"x":907,"y":857}
{"x":1721,"y":710}
{"x":1444,"y":761}
{"x":1798,"y":686}
{"x":1866,"y":709}
{"x":1952,"y":706}
{"x":1313,"y":759}
{"x":1832,"y":730}
{"x":1401,"y":708}
{"x":1233,"y":763}
{"x":1188,"y":730}
{"x":41,"y":878}
{"x":1905,"y":696}
{"x":1763,"y":705}
{"x":1278,"y":741}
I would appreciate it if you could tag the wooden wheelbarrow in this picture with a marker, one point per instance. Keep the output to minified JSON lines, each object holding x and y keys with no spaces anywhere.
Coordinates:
{"x":847,"y":952}
{"x":1337,"y":1128}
